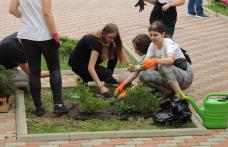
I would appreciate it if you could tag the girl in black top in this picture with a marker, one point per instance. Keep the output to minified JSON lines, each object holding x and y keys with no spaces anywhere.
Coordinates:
{"x":92,"y":49}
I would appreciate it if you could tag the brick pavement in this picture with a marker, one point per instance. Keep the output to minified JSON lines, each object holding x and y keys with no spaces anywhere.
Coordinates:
{"x":205,"y":38}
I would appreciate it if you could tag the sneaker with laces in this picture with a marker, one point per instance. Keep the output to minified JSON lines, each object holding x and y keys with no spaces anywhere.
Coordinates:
{"x":202,"y":15}
{"x":112,"y":82}
{"x":40,"y":111}
{"x":60,"y":109}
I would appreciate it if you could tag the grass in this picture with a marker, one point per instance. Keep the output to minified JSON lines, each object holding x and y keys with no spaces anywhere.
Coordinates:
{"x":218,"y":8}
{"x":51,"y":124}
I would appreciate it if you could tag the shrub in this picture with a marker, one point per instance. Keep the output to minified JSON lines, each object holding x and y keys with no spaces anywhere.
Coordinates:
{"x":139,"y":99}
{"x":88,"y":100}
{"x":66,"y":47}
{"x":6,"y":82}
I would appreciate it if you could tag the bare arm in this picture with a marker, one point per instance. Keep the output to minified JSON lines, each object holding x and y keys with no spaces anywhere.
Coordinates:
{"x":13,"y":8}
{"x":168,"y":61}
{"x":131,"y":77}
{"x":151,"y":1}
{"x":25,"y":68}
{"x":177,"y":3}
{"x":48,"y":16}
{"x":173,"y":4}
{"x":93,"y":73}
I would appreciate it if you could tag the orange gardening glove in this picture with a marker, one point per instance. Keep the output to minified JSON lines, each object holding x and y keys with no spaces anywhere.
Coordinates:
{"x":119,"y":89}
{"x":150,"y":63}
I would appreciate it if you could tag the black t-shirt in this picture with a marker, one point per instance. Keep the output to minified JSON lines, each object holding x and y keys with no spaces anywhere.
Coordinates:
{"x":11,"y":52}
{"x":82,"y":51}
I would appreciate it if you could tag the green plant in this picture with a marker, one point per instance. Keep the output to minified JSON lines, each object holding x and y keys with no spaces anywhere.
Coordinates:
{"x":66,"y":47}
{"x":139,"y":99}
{"x":88,"y":100}
{"x":218,"y":7}
{"x":7,"y":87}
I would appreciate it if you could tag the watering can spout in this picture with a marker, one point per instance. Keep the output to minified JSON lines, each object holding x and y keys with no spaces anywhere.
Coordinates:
{"x":199,"y":110}
{"x":193,"y":103}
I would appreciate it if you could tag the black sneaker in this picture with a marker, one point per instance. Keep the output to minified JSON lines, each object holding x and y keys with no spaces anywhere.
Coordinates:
{"x":191,"y":14}
{"x":202,"y":15}
{"x":40,"y":111}
{"x":112,"y":82}
{"x":60,"y":109}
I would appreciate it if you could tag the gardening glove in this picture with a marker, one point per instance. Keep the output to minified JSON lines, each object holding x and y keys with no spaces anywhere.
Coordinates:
{"x":122,"y":94}
{"x":56,"y":38}
{"x":150,"y":63}
{"x":182,"y":95}
{"x":141,"y":5}
{"x":119,"y":89}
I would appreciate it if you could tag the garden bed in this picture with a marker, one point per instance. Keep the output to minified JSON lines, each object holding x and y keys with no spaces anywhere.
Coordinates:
{"x":92,"y":115}
{"x":50,"y":127}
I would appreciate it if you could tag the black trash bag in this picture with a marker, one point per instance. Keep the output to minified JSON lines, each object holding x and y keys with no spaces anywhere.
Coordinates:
{"x":172,"y":113}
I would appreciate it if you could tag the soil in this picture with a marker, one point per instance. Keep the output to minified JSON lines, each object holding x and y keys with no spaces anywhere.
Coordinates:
{"x":78,"y":113}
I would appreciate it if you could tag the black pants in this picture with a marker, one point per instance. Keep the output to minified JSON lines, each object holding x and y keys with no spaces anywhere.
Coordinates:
{"x":102,"y":72}
{"x":50,"y":51}
{"x":169,"y":17}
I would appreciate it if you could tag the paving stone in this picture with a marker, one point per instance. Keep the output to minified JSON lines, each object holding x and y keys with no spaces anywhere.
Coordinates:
{"x":167,"y":145}
{"x":48,"y":145}
{"x":208,"y":143}
{"x":15,"y":144}
{"x":133,"y":142}
{"x":216,"y":139}
{"x":182,"y":137}
{"x":58,"y":142}
{"x":125,"y":145}
{"x":141,"y":139}
{"x":175,"y":141}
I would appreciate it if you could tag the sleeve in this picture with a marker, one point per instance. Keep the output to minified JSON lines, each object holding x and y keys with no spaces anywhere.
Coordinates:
{"x":150,"y":51}
{"x":170,"y":46}
{"x":94,"y":44}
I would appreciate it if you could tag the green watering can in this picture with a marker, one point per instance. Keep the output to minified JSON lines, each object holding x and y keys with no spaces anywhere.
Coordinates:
{"x":215,"y":111}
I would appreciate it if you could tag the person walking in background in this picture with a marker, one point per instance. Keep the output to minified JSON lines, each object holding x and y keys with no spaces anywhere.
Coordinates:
{"x":165,"y":66}
{"x":12,"y":56}
{"x":38,"y":35}
{"x":165,"y":11}
{"x":195,"y":8}
{"x":91,"y":50}
{"x":141,"y":44}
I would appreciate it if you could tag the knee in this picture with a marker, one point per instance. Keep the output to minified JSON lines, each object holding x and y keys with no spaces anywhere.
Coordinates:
{"x":163,"y":69}
{"x":144,"y":76}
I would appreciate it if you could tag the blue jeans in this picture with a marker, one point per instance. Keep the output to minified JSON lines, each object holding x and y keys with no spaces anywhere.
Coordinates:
{"x":195,"y":7}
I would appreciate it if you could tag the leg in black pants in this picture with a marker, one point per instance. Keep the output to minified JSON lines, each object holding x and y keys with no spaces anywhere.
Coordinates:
{"x":102,"y":72}
{"x":51,"y":54}
{"x":169,"y":17}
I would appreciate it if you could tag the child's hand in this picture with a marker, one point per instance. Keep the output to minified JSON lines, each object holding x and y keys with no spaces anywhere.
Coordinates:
{"x":150,"y":63}
{"x":119,"y":89}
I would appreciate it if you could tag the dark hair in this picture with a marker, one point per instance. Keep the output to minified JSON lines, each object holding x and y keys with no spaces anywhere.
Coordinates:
{"x":157,"y":26}
{"x":142,"y":42}
{"x":110,"y":28}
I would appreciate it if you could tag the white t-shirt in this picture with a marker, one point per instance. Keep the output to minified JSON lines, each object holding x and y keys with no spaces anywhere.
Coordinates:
{"x":168,"y":47}
{"x":33,"y":26}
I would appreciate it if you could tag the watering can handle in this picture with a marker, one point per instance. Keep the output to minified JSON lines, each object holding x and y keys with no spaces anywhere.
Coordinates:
{"x":214,"y":94}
